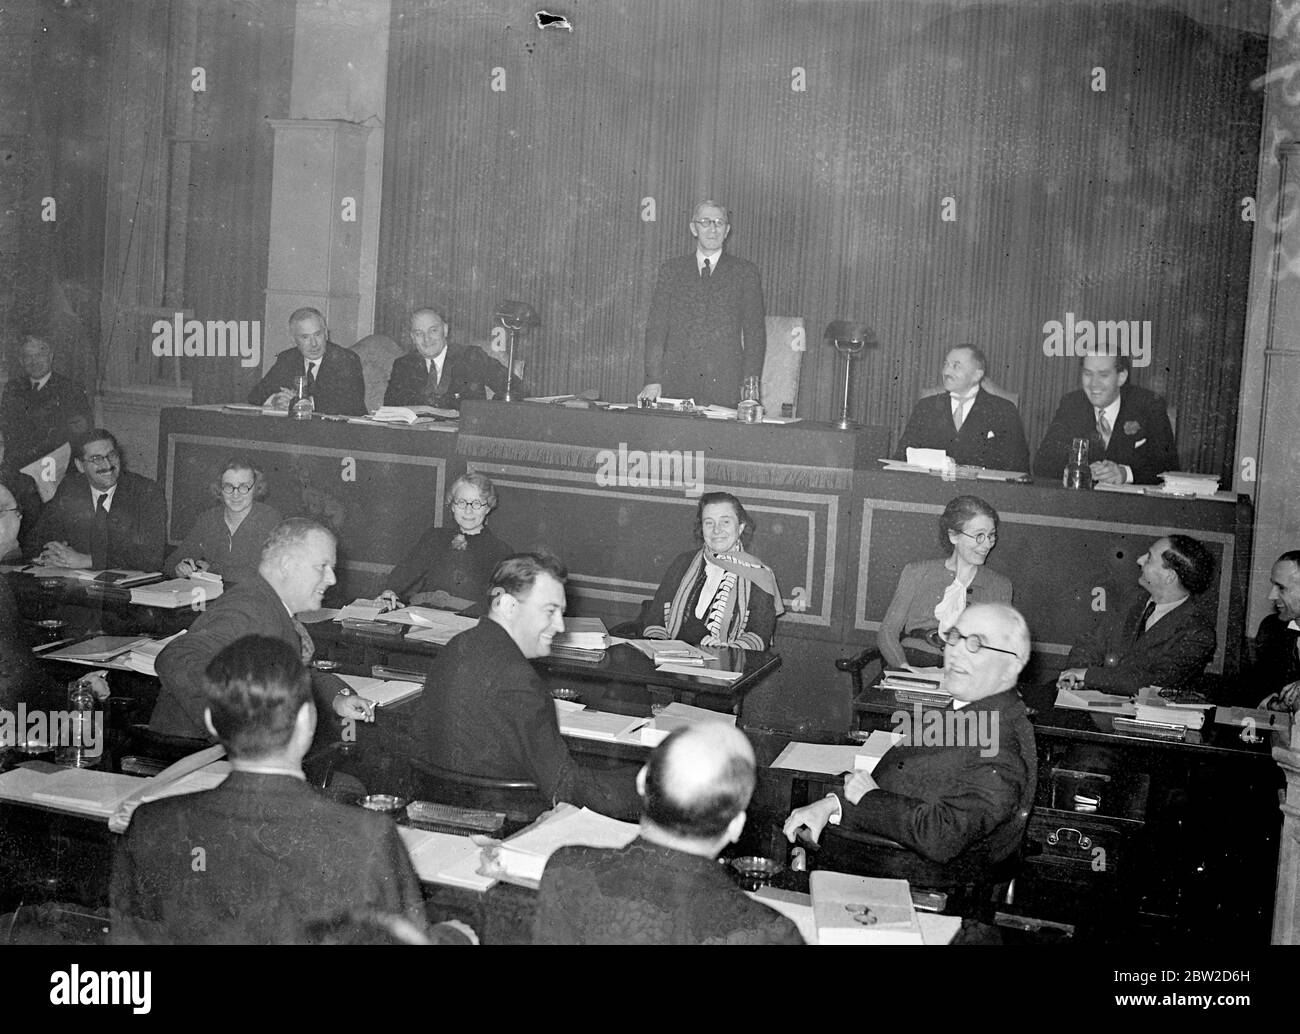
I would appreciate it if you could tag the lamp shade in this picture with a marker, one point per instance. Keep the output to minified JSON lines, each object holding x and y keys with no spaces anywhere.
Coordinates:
{"x":517,"y":316}
{"x":849,"y":335}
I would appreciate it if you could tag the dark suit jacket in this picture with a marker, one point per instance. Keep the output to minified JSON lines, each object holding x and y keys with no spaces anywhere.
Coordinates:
{"x":946,"y":802}
{"x":1172,"y":653}
{"x":1276,"y":664}
{"x":466,"y":372}
{"x":340,"y":386}
{"x":274,"y":855}
{"x":137,"y":522}
{"x":1141,"y":438}
{"x":648,"y":894}
{"x":990,"y":436}
{"x":434,"y":563}
{"x":704,"y":335}
{"x":35,"y":423}
{"x":28,"y":497}
{"x":486,"y":712}
{"x":250,"y":608}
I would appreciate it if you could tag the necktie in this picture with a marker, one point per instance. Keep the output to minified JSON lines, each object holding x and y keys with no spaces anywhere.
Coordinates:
{"x":1103,"y":428}
{"x":311,"y":378}
{"x":957,"y":406}
{"x":99,"y":536}
{"x":1146,"y":616}
{"x":706,"y":271}
{"x":308,"y":648}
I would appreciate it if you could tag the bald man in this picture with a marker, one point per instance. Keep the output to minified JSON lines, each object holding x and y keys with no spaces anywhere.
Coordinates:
{"x":957,"y":801}
{"x":441,"y":374}
{"x":666,"y":887}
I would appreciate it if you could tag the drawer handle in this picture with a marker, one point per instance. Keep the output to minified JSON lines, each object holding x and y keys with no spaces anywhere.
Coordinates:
{"x":1085,"y":842}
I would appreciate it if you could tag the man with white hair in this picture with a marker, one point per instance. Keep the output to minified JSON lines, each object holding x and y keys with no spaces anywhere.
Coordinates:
{"x":666,"y":887}
{"x":957,"y":803}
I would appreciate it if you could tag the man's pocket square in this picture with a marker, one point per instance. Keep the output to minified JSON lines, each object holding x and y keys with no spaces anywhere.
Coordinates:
{"x":1139,"y":443}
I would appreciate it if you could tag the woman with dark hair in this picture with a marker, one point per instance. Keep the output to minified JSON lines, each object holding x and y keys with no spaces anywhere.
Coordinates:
{"x":452,"y":566}
{"x":228,"y":539}
{"x":932,"y":594}
{"x":718,"y":595}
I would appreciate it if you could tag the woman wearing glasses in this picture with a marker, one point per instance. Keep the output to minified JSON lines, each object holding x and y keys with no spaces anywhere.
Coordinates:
{"x":451,"y":567}
{"x":932,"y":594}
{"x":228,"y":539}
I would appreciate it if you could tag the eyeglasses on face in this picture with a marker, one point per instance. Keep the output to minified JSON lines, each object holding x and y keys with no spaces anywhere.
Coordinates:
{"x":468,"y":504}
{"x":973,"y":642}
{"x":17,"y":510}
{"x":710,"y":224}
{"x":106,"y":460}
{"x":235,"y":489}
{"x":982,"y":537}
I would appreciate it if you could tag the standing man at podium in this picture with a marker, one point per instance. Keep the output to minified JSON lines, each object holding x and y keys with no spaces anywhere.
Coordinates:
{"x":706,"y":331}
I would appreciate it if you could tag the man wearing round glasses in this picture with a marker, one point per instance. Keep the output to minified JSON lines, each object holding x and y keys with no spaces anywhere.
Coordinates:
{"x":103,"y":516}
{"x":962,"y":803}
{"x":706,"y":331}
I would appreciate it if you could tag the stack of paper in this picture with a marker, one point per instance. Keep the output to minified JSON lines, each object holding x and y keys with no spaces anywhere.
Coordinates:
{"x":1095,"y":700}
{"x":119,"y":578}
{"x":831,"y":759}
{"x":677,"y":714}
{"x":144,"y":657}
{"x":594,"y":725}
{"x":383,"y":691}
{"x":524,"y":855}
{"x":1151,"y":707}
{"x":175,"y":593}
{"x":361,"y":610}
{"x":1177,"y":482}
{"x":428,"y":624}
{"x":98,"y":649}
{"x":671,"y":651}
{"x":922,"y":686}
{"x":862,"y":909}
{"x":582,"y":638}
{"x":445,"y":858}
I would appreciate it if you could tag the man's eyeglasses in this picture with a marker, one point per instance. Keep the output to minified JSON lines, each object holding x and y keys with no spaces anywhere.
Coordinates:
{"x":236,"y":489}
{"x":468,"y":504}
{"x":12,"y":509}
{"x":710,"y":224}
{"x":106,"y":460}
{"x":973,"y":642}
{"x":982,"y":537}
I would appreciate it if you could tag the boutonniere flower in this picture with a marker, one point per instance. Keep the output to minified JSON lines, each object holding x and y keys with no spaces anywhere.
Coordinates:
{"x":989,"y":435}
{"x":1132,"y":427}
{"x":458,"y":542}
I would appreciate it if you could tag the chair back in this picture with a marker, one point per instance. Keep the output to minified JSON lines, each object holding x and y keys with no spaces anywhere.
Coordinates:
{"x":376,"y":353}
{"x":519,"y":799}
{"x":786,"y":343}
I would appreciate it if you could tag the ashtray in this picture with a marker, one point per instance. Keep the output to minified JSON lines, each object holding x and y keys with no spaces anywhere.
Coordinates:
{"x":564,"y":693}
{"x":756,"y":867}
{"x":326,"y":665}
{"x":384,"y":802}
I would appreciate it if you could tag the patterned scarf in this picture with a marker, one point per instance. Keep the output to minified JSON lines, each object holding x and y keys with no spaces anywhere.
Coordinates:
{"x":728,"y":614}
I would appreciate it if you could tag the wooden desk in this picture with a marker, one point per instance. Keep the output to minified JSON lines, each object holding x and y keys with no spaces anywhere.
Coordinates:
{"x":622,"y":666}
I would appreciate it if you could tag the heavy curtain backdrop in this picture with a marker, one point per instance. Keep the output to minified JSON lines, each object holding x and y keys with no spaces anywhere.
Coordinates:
{"x":1114,"y":204}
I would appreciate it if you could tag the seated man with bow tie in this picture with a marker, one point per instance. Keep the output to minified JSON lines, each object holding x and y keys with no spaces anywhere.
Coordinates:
{"x":103,"y":516}
{"x":334,"y":378}
{"x":1162,"y":638}
{"x":974,"y":427}
{"x":1128,"y":426}
{"x":441,"y":374}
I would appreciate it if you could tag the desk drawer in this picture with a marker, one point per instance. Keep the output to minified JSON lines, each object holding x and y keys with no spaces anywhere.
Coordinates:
{"x":1079,"y":842}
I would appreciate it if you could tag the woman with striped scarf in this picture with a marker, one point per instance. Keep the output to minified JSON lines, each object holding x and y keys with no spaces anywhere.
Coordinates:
{"x":719,"y":595}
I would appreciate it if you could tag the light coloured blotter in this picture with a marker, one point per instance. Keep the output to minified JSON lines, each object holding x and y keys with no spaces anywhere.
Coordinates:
{"x":524,"y":855}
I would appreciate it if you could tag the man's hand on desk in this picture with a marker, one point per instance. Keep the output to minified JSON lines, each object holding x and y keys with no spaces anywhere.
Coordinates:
{"x":1071,"y":678}
{"x":1107,"y":472}
{"x":650,"y":393}
{"x":1285,"y":698}
{"x":60,"y":554}
{"x":814,"y":816}
{"x":349,"y":705}
{"x":187,"y":567}
{"x":389,"y":599}
{"x":281,"y":399}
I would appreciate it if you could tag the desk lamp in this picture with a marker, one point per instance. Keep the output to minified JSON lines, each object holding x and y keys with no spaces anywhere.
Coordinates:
{"x":849,"y":338}
{"x":517,"y":318}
